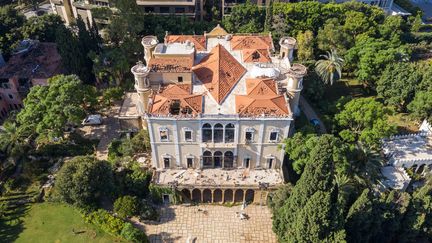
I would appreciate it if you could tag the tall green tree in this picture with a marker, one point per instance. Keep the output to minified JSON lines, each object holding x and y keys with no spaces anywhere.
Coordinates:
{"x":10,"y":22}
{"x":332,"y":36}
{"x":364,"y":120}
{"x":47,"y":109}
{"x":397,"y":84}
{"x":14,"y":140}
{"x":42,"y":28}
{"x":245,"y":18}
{"x":84,"y":181}
{"x":311,"y":214}
{"x":421,"y":106}
{"x":305,"y":49}
{"x":330,"y":67}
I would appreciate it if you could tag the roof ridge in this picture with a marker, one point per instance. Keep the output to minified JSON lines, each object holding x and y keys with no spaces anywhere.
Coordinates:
{"x":282,"y":108}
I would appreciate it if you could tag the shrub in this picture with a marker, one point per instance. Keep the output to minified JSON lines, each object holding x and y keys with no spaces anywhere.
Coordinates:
{"x":115,"y":226}
{"x":130,"y":233}
{"x":147,"y":212}
{"x":126,"y":206}
{"x":112,"y":94}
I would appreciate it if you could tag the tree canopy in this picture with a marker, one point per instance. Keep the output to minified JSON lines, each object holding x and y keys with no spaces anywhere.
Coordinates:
{"x":48,"y":109}
{"x":84,"y":181}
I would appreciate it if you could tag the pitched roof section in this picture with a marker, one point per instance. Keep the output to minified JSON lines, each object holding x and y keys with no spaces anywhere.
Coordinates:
{"x":219,"y":71}
{"x":199,"y":41}
{"x":261,"y":87}
{"x":188,"y":104}
{"x":261,"y":98}
{"x":171,"y":64}
{"x":217,"y":31}
{"x":260,"y":55}
{"x":241,"y":42}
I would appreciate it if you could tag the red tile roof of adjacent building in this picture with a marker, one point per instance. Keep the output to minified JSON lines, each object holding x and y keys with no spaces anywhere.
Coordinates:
{"x":241,"y":42}
{"x":261,"y":98}
{"x":40,"y":62}
{"x":181,"y":93}
{"x":259,"y":55}
{"x":171,"y":64}
{"x":199,"y":41}
{"x":219,"y":71}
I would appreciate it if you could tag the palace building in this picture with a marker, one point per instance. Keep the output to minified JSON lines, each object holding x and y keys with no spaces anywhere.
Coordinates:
{"x":217,"y":107}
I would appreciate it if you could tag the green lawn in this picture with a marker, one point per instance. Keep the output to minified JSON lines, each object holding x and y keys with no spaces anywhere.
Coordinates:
{"x":344,"y":87}
{"x":50,"y":222}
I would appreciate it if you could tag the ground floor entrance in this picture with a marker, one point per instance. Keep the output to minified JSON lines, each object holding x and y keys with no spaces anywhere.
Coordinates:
{"x":217,"y":195}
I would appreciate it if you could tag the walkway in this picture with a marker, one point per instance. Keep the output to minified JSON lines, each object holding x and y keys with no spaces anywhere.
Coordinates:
{"x":106,"y":132}
{"x":211,"y":223}
{"x":310,"y":113}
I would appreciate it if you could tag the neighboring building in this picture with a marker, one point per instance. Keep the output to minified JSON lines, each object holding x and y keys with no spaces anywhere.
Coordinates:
{"x":217,"y":107}
{"x":32,"y":64}
{"x":412,"y":151}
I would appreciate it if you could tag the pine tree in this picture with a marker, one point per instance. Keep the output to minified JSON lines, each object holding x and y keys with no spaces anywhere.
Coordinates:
{"x":317,"y":190}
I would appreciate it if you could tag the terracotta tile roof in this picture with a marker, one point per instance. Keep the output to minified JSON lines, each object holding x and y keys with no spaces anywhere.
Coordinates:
{"x":42,"y":61}
{"x":265,"y":87}
{"x":171,"y":64}
{"x":259,"y":55}
{"x":240,"y":42}
{"x":176,"y":93}
{"x":199,"y":41}
{"x":261,"y":98}
{"x":219,"y":71}
{"x":217,"y":31}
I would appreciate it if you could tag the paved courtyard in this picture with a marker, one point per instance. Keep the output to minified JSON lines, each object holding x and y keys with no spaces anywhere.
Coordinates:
{"x":210,"y":223}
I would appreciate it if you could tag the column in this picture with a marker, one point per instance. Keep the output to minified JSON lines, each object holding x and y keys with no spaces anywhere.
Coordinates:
{"x":202,"y":195}
{"x":223,"y":196}
{"x":212,"y":193}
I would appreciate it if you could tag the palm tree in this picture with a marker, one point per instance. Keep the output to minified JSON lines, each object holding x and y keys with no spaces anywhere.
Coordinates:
{"x":13,"y":140}
{"x":330,"y":66}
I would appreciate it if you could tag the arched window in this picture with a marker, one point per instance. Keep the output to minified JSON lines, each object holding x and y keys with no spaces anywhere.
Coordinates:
{"x":228,"y":159}
{"x":218,"y":133}
{"x":207,"y":159}
{"x":229,"y":133}
{"x":207,"y":133}
{"x":217,"y":157}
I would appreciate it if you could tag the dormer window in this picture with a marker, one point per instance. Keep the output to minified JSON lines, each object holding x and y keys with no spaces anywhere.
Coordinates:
{"x":163,"y":134}
{"x":180,"y":79}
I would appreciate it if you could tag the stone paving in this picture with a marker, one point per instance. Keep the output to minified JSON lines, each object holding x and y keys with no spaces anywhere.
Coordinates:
{"x":211,"y":223}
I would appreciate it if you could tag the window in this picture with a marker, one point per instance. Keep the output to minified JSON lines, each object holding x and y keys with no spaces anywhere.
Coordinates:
{"x":189,"y":162}
{"x":167,"y":162}
{"x":149,"y":9}
{"x":228,"y":159}
{"x":180,"y":79}
{"x":207,"y":133}
{"x":164,"y":9}
{"x":163,"y":134}
{"x":180,"y":10}
{"x":188,"y":135}
{"x":249,"y":135}
{"x":270,"y":162}
{"x":207,"y":159}
{"x":274,"y":136}
{"x":229,"y":133}
{"x":218,"y":133}
{"x":16,"y":106}
{"x":246,"y":162}
{"x":10,"y":96}
{"x":217,"y":158}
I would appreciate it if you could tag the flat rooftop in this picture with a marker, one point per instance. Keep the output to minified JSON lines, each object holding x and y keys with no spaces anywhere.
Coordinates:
{"x":396,"y":178}
{"x":219,"y":177}
{"x":408,"y":147}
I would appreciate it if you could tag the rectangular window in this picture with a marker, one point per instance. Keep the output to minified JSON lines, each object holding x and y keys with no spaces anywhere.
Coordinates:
{"x":270,"y":163}
{"x":180,"y":79}
{"x":166,"y":162}
{"x":273,"y":136}
{"x":249,"y":136}
{"x":149,"y":9}
{"x":164,"y":9}
{"x":163,"y":135}
{"x":188,"y":135}
{"x":180,"y":10}
{"x":189,"y":162}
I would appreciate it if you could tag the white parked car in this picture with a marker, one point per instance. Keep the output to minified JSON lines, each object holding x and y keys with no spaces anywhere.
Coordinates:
{"x":92,"y":120}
